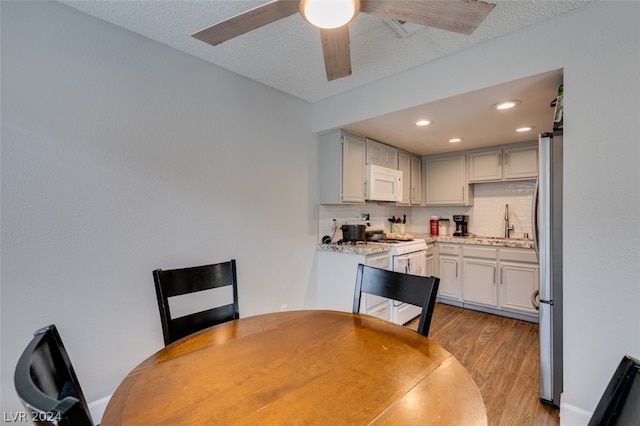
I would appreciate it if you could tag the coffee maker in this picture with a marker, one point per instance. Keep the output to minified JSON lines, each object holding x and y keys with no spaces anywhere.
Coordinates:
{"x":461,"y":222}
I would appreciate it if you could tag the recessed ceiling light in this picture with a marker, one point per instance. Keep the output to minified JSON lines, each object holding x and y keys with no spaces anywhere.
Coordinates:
{"x":423,"y":123}
{"x":455,"y":140}
{"x":525,"y":128}
{"x":506,"y":105}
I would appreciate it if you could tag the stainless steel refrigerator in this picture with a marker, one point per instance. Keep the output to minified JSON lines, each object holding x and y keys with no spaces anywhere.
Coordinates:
{"x":547,"y":237}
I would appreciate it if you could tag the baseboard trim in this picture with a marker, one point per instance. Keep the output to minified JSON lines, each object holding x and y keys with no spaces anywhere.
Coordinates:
{"x":571,"y":415}
{"x":97,"y":409}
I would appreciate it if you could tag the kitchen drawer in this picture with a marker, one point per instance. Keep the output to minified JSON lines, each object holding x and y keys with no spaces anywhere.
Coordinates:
{"x":523,"y":255}
{"x":380,"y":261}
{"x":382,"y":311}
{"x":452,"y":249}
{"x":483,"y":252}
{"x":371,"y":301}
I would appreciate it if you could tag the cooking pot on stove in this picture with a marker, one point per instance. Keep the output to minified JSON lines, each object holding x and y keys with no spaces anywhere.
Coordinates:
{"x":377,"y":235}
{"x":353,"y":232}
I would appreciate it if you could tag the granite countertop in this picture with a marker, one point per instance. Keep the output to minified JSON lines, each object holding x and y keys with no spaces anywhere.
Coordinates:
{"x":365,"y":249}
{"x":375,"y":248}
{"x":486,"y":241}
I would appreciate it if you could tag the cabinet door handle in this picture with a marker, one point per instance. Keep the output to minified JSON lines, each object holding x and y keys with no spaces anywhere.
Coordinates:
{"x":494,"y":275}
{"x":535,"y":299}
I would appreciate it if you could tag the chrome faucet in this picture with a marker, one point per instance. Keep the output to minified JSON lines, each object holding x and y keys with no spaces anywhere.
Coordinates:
{"x":507,"y":228}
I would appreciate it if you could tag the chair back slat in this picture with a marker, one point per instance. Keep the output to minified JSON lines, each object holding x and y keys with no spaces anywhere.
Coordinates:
{"x":178,"y":282}
{"x":184,"y":326}
{"x":188,"y":280}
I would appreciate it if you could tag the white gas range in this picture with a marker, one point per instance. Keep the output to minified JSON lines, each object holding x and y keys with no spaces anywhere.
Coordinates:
{"x":410,"y":257}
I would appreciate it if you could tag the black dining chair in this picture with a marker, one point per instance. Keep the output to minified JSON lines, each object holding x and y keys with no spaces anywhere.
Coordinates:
{"x":620,"y":402}
{"x":47,"y":385}
{"x":177,"y":282}
{"x":413,"y":289}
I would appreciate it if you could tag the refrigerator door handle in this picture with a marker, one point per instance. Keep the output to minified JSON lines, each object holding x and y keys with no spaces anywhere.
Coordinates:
{"x":534,"y":219}
{"x":535,"y":299}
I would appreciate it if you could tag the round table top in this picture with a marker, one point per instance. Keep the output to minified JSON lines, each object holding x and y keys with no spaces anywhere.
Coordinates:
{"x":299,"y":367}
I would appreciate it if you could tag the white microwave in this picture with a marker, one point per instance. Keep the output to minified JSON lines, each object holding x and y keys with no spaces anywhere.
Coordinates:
{"x":383,"y":184}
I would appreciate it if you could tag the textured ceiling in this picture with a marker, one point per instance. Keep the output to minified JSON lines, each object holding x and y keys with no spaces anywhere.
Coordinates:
{"x":287,"y":54}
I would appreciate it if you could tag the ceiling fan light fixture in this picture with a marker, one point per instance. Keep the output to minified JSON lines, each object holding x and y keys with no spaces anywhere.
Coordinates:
{"x":329,"y":14}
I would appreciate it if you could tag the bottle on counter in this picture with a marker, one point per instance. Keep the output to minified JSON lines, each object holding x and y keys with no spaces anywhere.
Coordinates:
{"x":434,"y":226}
{"x":558,"y":117}
{"x":443,"y":227}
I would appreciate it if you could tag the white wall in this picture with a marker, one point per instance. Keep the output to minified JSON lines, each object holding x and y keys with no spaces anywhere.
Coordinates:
{"x":599,"y":48}
{"x":121,"y":155}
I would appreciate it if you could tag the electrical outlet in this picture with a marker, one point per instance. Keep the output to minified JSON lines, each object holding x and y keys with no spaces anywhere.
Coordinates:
{"x":283,"y":308}
{"x":334,"y":224}
{"x":364,"y":216}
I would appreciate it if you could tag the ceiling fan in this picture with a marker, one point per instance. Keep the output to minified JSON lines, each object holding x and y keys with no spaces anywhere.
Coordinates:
{"x":333,"y":16}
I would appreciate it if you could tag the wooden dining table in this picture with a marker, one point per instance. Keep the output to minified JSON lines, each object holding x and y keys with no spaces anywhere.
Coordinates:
{"x":309,"y":367}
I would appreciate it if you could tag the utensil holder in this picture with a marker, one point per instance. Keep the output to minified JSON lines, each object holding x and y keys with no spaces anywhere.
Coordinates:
{"x":397,"y":228}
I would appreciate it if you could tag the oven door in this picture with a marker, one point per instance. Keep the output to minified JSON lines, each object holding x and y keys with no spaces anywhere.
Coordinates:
{"x":414,"y":264}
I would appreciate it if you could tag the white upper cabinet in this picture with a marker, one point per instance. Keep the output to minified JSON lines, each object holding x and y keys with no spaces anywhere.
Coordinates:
{"x":521,"y":163}
{"x":342,"y":168}
{"x":381,"y":154}
{"x":416,"y":180}
{"x":485,"y":166}
{"x":343,"y":158}
{"x":504,"y":164}
{"x":404,"y":164}
{"x":411,"y":166}
{"x":446,"y":181}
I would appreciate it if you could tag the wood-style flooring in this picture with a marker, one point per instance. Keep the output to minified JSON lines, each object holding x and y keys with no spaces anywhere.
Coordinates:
{"x":501,"y":354}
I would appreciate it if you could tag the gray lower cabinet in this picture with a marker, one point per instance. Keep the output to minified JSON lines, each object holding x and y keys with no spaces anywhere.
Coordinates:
{"x":519,"y":279}
{"x":479,"y":277}
{"x":449,"y":290}
{"x":499,"y":280}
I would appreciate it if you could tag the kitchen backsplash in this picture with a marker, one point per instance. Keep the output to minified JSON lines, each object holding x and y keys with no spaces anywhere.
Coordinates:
{"x":486,"y":216}
{"x":351,"y":214}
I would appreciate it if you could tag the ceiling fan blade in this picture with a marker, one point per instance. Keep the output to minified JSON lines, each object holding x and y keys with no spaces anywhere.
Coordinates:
{"x":460,"y":16}
{"x":336,"y":51}
{"x":247,"y":21}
